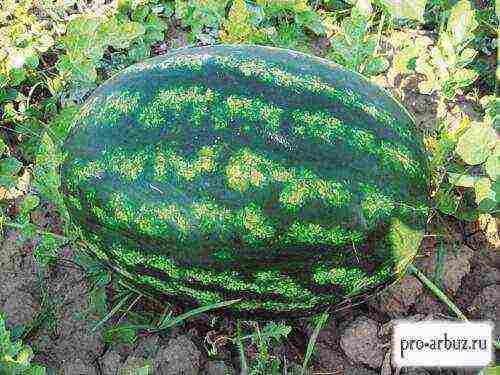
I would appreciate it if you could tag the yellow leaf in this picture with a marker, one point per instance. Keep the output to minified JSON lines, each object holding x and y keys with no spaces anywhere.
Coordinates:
{"x":237,"y":28}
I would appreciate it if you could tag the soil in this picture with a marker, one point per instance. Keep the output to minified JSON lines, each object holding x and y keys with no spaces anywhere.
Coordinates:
{"x":355,"y":341}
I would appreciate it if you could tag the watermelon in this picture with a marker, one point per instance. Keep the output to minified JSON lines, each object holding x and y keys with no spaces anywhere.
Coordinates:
{"x":252,"y":173}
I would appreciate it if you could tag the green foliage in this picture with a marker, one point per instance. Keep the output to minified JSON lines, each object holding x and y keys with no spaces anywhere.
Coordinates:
{"x":355,"y":47}
{"x":15,"y":357}
{"x":27,"y":36}
{"x":444,"y":67}
{"x":466,"y":161}
{"x":261,"y":21}
{"x":265,"y":339}
{"x":406,"y":9}
{"x":130,"y":28}
{"x":238,"y":27}
{"x":477,"y":143}
{"x":409,"y":49}
{"x":9,"y":170}
{"x":23,"y":38}
{"x":479,"y":146}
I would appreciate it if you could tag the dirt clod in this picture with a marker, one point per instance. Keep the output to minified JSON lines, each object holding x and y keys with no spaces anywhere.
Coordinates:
{"x":134,"y":365}
{"x":361,"y":343}
{"x":414,"y":371}
{"x":71,"y":338}
{"x":147,"y":347}
{"x":485,"y":306}
{"x":357,"y":370}
{"x":110,"y":362}
{"x":179,"y":357}
{"x":329,"y":360}
{"x":457,"y":261}
{"x":78,"y":367}
{"x":18,"y":281}
{"x":397,"y":299}
{"x":218,"y":368}
{"x":20,"y":308}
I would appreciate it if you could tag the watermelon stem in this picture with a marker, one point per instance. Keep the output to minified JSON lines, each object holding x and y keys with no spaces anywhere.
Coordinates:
{"x":442,"y":296}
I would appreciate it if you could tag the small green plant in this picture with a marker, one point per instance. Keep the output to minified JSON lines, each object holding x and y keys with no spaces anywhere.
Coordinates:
{"x":467,"y":166}
{"x":89,"y":35}
{"x":479,"y":150}
{"x":281,"y":23}
{"x":445,"y":65}
{"x":23,"y":38}
{"x":127,"y":297}
{"x":15,"y":357}
{"x":264,"y":339}
{"x":354,"y":46}
{"x":10,"y":170}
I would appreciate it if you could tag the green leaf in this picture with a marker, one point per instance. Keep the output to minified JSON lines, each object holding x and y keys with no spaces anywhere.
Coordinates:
{"x":492,"y":165}
{"x":493,"y":370}
{"x":341,"y":51}
{"x":427,"y":87}
{"x":464,"y":77}
{"x":355,"y":28}
{"x":3,"y":81}
{"x":119,"y":35}
{"x":84,"y":71}
{"x":412,"y":9}
{"x":155,"y":24}
{"x":140,"y":13}
{"x":376,"y":66}
{"x":125,"y":334}
{"x":466,"y":57}
{"x":3,"y":147}
{"x":132,"y":30}
{"x":61,"y":124}
{"x":487,"y":194}
{"x":46,"y":251}
{"x":447,"y":202}
{"x":462,"y":180}
{"x":46,"y":174}
{"x":45,"y":42}
{"x":475,"y":144}
{"x":17,"y":76}
{"x":364,"y":7}
{"x":462,"y":22}
{"x":138,"y":52}
{"x":311,"y":20}
{"x":29,"y":204}
{"x":10,"y":166}
{"x":237,"y":28}
{"x":447,"y":49}
{"x":35,"y":370}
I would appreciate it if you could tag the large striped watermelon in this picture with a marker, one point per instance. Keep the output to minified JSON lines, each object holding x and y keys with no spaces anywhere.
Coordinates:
{"x":248,"y":172}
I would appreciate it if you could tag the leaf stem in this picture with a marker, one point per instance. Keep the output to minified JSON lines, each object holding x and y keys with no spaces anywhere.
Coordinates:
{"x":438,"y":292}
{"x":443,"y":297}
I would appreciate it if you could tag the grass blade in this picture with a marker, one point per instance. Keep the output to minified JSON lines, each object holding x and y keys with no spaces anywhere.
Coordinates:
{"x":199,"y":310}
{"x":112,"y":312}
{"x":241,"y":350}
{"x":312,"y":340}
